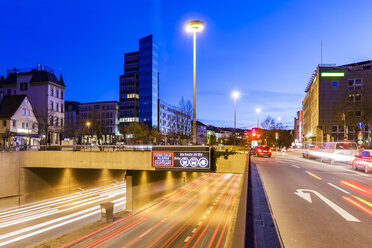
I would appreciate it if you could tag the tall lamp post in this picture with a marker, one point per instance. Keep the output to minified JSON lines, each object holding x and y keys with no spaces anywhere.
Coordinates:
{"x":194,"y":27}
{"x":258,"y":110}
{"x":88,"y":126}
{"x":235,"y":95}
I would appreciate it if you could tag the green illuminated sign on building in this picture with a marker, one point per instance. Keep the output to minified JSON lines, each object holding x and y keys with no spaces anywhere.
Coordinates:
{"x":333,"y":74}
{"x":314,"y":79}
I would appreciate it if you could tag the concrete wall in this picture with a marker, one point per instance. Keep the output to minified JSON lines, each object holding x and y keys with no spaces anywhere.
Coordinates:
{"x":20,"y":185}
{"x":234,"y":164}
{"x":9,"y":179}
{"x":128,"y":160}
{"x":147,"y":186}
{"x":124,"y":160}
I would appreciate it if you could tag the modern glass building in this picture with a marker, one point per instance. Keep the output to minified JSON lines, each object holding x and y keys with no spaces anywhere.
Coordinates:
{"x":148,"y":81}
{"x":139,"y":86}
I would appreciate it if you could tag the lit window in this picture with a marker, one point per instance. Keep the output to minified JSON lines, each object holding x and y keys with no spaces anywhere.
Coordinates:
{"x":23,"y":111}
{"x":335,"y":83}
{"x":28,"y":112}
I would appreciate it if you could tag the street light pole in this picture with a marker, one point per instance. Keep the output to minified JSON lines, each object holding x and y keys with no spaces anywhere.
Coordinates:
{"x":235,"y":95}
{"x":194,"y":26}
{"x":194,"y":93}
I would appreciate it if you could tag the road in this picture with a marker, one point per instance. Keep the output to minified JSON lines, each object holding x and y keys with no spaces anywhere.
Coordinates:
{"x":316,"y":204}
{"x":197,"y":215}
{"x":41,"y":221}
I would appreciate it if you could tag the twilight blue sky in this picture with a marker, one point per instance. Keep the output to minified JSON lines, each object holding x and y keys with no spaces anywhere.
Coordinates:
{"x":265,"y":49}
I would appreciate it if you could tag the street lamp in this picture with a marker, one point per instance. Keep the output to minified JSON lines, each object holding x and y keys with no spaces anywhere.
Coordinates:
{"x":258,"y":110}
{"x":88,"y":123}
{"x":194,"y":27}
{"x":235,"y":95}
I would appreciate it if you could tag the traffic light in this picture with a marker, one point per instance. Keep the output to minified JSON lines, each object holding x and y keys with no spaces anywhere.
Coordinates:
{"x":276,"y":135}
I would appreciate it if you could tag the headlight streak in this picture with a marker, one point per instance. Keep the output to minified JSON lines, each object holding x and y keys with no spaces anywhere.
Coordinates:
{"x":47,"y":203}
{"x":92,"y":210}
{"x":357,"y":187}
{"x":358,"y":205}
{"x":17,"y":221}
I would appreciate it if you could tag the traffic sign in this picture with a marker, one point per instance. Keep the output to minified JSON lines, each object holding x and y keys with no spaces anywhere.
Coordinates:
{"x":360,"y":124}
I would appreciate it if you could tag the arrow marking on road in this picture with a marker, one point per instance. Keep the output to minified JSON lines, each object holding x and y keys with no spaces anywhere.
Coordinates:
{"x":306,"y":195}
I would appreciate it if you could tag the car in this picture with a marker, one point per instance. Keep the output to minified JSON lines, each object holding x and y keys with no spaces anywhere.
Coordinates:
{"x":344,"y":151}
{"x":310,"y":152}
{"x":363,"y":161}
{"x":261,"y":151}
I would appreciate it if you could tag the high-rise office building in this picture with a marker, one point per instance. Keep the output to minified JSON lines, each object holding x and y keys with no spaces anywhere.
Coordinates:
{"x":139,"y":86}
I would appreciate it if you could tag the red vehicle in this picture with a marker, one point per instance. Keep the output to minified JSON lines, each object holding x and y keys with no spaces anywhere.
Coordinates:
{"x":363,"y":161}
{"x":261,"y":151}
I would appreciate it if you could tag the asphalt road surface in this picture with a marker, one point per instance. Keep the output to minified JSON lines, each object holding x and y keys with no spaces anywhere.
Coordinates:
{"x":316,"y":204}
{"x":197,"y":215}
{"x":40,"y":221}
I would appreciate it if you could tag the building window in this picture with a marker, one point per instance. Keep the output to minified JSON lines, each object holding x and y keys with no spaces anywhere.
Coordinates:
{"x":62,"y":107}
{"x":51,"y":120}
{"x":57,"y":121}
{"x":350,"y":113}
{"x":23,"y":111}
{"x":28,"y":112}
{"x":61,"y":122}
{"x":51,"y":105}
{"x":23,"y":125}
{"x":57,"y":109}
{"x":57,"y":93}
{"x":4,"y":123}
{"x":335,"y":83}
{"x":358,"y":97}
{"x":334,"y":129}
{"x":14,"y":123}
{"x":61,"y":94}
{"x":358,"y":113}
{"x":51,"y":90}
{"x":9,"y":91}
{"x":350,"y":98}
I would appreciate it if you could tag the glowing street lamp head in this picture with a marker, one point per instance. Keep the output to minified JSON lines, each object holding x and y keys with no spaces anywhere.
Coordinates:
{"x":235,"y":94}
{"x":258,"y":110}
{"x":88,"y":123}
{"x":194,"y":26}
{"x":279,"y":119}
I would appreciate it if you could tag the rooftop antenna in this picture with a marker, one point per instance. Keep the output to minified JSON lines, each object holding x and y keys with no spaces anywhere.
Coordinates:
{"x":321,"y":52}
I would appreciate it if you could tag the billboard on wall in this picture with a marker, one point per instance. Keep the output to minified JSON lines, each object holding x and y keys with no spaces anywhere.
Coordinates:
{"x":181,"y":157}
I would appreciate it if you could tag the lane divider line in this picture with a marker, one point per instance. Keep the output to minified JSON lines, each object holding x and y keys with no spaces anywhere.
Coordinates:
{"x":187,"y":239}
{"x":295,"y":166}
{"x":311,"y":174}
{"x":336,"y":187}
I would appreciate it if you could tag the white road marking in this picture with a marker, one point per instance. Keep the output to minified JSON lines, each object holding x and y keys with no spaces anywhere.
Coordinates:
{"x":336,"y":187}
{"x":295,"y":166}
{"x":208,"y":212}
{"x":163,"y":220}
{"x":187,"y":239}
{"x":301,"y":193}
{"x":204,"y":217}
{"x":199,"y":223}
{"x":143,"y":234}
{"x":194,"y":230}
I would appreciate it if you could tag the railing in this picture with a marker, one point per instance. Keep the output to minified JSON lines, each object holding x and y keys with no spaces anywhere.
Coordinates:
{"x":87,"y":147}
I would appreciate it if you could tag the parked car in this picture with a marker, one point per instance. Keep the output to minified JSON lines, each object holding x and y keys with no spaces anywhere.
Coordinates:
{"x":261,"y":151}
{"x":363,"y":161}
